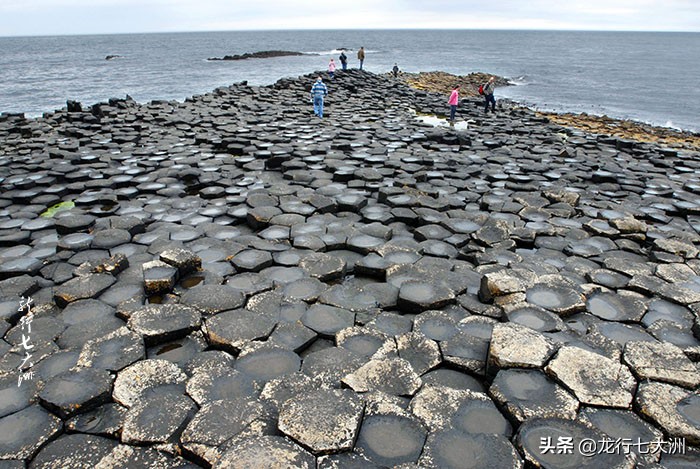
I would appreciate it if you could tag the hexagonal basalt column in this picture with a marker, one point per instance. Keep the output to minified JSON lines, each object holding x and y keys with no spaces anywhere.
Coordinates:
{"x":325,"y":421}
{"x":594,"y":379}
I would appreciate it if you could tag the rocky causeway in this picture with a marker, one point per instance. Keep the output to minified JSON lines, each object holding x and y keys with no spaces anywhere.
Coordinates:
{"x":266,"y":54}
{"x":232,"y":282}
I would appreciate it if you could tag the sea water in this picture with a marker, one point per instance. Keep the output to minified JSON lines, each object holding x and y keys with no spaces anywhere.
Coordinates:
{"x":650,"y":77}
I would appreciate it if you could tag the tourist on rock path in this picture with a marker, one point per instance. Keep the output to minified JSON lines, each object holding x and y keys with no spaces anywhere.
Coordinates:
{"x":489,"y":88}
{"x":395,"y":70}
{"x":361,"y":56}
{"x":454,"y":102}
{"x":318,"y":92}
{"x":343,"y":60}
{"x":331,"y":68}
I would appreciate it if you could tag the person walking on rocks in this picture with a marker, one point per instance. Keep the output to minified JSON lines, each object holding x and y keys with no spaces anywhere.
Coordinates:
{"x":489,"y":88}
{"x":361,"y":56}
{"x":331,"y":68}
{"x":454,"y":102}
{"x":318,"y":92}
{"x":343,"y":60}
{"x":395,"y":70}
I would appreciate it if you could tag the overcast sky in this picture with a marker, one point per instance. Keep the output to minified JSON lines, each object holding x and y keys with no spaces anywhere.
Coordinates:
{"x":47,"y":17}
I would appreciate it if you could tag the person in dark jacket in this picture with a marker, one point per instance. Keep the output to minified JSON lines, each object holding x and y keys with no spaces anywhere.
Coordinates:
{"x":489,"y":88}
{"x":343,"y":60}
{"x":395,"y":70}
{"x":361,"y":56}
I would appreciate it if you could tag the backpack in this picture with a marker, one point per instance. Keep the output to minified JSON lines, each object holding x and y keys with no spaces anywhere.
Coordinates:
{"x":481,"y":89}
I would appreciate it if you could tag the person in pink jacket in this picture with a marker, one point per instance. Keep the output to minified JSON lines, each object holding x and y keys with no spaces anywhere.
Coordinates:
{"x":454,"y":102}
{"x":331,"y":68}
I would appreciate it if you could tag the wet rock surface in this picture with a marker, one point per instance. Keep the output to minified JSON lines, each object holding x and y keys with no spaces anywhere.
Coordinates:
{"x":527,"y":394}
{"x":228,"y":260}
{"x":456,"y":449}
{"x":24,"y":432}
{"x":113,"y":351}
{"x":143,"y":377}
{"x":160,"y":323}
{"x":106,"y":420}
{"x":76,"y":390}
{"x":124,"y":456}
{"x":674,"y":409}
{"x":217,"y":422}
{"x":391,"y":440}
{"x":531,"y":435}
{"x":232,"y":330}
{"x":74,"y":450}
{"x":627,"y":426}
{"x":443,"y":408}
{"x":266,"y":451}
{"x":157,"y":419}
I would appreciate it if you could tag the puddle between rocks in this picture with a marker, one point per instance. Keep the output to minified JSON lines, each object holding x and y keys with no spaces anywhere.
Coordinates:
{"x":690,"y":409}
{"x":192,"y":281}
{"x":436,"y":121}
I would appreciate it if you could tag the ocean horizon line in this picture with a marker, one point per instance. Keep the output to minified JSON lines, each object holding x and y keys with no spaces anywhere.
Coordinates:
{"x":291,"y":30}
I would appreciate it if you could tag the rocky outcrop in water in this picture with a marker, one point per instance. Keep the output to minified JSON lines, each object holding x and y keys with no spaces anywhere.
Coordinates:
{"x":628,"y":129}
{"x":266,"y":54}
{"x":237,"y":282}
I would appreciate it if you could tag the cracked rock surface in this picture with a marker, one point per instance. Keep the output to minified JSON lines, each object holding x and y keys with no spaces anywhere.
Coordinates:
{"x":325,"y":421}
{"x":593,"y":378}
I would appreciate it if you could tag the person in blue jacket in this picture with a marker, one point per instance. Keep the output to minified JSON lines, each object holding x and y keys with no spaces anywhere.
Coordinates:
{"x":318,"y":92}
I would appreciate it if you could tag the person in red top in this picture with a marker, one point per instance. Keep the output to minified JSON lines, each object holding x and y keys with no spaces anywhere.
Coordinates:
{"x":454,"y":102}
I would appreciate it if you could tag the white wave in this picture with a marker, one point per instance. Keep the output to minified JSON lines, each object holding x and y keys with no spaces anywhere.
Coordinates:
{"x":349,"y":52}
{"x":329,"y":52}
{"x":518,"y":81}
{"x":671,"y":125}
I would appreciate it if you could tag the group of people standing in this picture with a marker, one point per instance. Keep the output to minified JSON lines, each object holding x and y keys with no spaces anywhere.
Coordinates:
{"x":344,"y":61}
{"x":486,"y":90}
{"x":360,"y":56}
{"x":319,"y":90}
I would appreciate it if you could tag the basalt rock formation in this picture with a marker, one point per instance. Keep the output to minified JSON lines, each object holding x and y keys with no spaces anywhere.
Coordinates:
{"x":231,"y":281}
{"x":442,"y":82}
{"x":266,"y":54}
